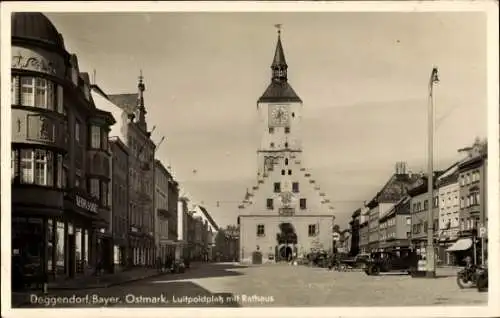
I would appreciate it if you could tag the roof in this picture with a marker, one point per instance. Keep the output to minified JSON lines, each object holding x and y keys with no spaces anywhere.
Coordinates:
{"x":35,"y":26}
{"x":279,"y":92}
{"x":279,"y":55}
{"x":209,"y":217}
{"x":127,"y":102}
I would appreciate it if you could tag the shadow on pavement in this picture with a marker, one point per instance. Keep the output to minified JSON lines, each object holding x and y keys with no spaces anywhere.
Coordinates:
{"x":204,"y":271}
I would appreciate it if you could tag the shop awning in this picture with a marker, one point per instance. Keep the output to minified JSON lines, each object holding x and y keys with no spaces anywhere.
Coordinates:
{"x":460,"y":245}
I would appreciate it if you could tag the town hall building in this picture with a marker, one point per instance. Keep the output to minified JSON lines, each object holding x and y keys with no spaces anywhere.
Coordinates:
{"x":285,"y":214}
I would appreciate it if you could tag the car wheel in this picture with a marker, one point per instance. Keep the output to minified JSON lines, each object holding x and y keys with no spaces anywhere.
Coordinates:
{"x":375,"y":270}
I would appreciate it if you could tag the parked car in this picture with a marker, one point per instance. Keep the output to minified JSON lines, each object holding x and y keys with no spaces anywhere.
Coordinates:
{"x":357,"y":262}
{"x":397,"y":260}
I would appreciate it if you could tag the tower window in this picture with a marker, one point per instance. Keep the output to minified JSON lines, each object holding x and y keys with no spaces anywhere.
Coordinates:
{"x":287,"y":130}
{"x":260,"y":230}
{"x":286,"y":144}
{"x":283,"y":172}
{"x":269,"y":204}
{"x":286,"y":161}
{"x":293,"y":114}
{"x":272,"y":145}
{"x":277,"y":187}
{"x":289,"y":172}
{"x":303,"y":204}
{"x":295,"y":187}
{"x":271,"y":130}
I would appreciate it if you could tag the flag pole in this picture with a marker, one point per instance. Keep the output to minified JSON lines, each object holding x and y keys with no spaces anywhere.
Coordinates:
{"x":430,"y":252}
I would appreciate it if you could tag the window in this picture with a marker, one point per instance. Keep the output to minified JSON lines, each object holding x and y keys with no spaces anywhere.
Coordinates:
{"x":295,"y":187}
{"x":104,"y":193}
{"x":77,"y":131}
{"x":426,"y":205}
{"x":286,"y":161}
{"x":14,"y":90}
{"x":462,"y":203}
{"x":95,"y":137}
{"x":272,"y":145}
{"x":270,"y":204}
{"x":474,"y":198}
{"x":60,"y":100}
{"x":104,"y":141}
{"x":14,"y":168}
{"x":27,"y":90}
{"x":287,"y":130}
{"x":303,"y":204}
{"x":467,"y":179}
{"x":37,"y":166}
{"x":462,"y":180}
{"x":293,"y":115}
{"x":94,"y":188}
{"x":312,"y":230}
{"x":283,"y":172}
{"x":289,"y":172}
{"x":260,"y":230}
{"x":271,"y":130}
{"x":286,"y":144}
{"x":277,"y":187}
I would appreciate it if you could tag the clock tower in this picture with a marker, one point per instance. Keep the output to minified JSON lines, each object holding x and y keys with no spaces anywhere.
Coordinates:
{"x":280,"y":111}
{"x":285,"y":214}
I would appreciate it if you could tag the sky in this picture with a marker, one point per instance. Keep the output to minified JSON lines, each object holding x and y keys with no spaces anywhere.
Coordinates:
{"x":363,"y":78}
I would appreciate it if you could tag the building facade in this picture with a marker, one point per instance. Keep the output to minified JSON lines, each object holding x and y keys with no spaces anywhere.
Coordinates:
{"x":354,"y":225}
{"x":419,"y":214}
{"x":472,"y":178}
{"x":131,"y":127}
{"x":395,"y":226}
{"x":285,"y":214}
{"x":164,"y":215}
{"x":184,"y":249}
{"x":60,"y":160}
{"x":174,"y":247}
{"x":363,"y":230}
{"x":383,"y":202}
{"x":209,"y":231}
{"x":119,"y":202}
{"x":449,"y":212}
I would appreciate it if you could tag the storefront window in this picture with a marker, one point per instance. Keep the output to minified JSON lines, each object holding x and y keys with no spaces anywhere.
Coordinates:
{"x":60,"y":247}
{"x":14,"y":168}
{"x":86,"y":246}
{"x":78,"y":244}
{"x":50,"y":245}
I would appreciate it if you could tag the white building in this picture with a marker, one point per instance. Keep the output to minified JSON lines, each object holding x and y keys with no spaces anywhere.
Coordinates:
{"x":285,"y":213}
{"x":449,"y":210}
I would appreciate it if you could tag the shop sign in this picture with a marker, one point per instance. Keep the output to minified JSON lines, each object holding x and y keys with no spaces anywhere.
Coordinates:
{"x":86,"y":204}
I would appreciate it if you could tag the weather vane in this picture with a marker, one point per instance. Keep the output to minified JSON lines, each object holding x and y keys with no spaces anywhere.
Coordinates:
{"x":278,"y":26}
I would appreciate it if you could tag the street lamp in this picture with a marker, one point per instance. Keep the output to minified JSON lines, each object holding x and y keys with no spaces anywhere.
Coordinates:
{"x":430,"y":253}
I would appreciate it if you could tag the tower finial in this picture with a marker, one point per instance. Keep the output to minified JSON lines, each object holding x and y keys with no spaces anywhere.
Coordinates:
{"x":278,"y":26}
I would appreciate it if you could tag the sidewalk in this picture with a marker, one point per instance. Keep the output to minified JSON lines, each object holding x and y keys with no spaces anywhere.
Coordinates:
{"x":89,"y":282}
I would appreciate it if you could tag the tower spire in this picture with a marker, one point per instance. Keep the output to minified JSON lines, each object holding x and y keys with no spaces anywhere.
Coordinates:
{"x":140,"y":101}
{"x":279,"y":66}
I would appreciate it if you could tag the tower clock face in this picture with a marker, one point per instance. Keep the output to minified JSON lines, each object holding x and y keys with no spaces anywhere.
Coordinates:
{"x":279,"y":115}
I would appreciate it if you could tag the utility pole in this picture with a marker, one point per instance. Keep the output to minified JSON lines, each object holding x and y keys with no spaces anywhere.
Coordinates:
{"x":430,"y":252}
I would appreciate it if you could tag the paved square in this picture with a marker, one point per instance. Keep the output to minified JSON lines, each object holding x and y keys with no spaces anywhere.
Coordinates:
{"x":277,"y":285}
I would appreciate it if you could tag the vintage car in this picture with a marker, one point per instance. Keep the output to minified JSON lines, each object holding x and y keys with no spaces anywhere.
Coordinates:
{"x":350,"y":263}
{"x":397,"y":260}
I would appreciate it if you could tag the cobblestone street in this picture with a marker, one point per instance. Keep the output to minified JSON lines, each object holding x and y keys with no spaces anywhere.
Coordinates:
{"x":278,"y":285}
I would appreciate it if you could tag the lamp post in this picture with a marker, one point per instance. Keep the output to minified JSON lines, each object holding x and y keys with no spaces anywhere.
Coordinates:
{"x":430,"y":252}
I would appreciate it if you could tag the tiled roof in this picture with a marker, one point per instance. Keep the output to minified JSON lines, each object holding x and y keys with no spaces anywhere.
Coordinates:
{"x":209,"y":217}
{"x":127,"y":102}
{"x":279,"y":91}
